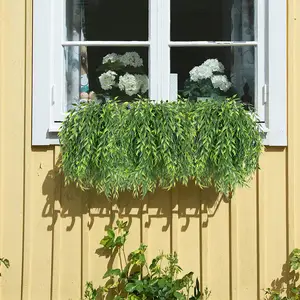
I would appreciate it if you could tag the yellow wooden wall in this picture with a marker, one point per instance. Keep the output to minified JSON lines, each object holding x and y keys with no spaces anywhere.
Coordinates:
{"x":51,"y":233}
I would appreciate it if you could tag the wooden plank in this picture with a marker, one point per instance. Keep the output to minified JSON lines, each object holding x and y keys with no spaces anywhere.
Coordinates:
{"x":216,"y":245}
{"x":159,"y":223}
{"x":272,"y":213}
{"x":243,"y":256}
{"x":38,"y":225}
{"x":69,"y":256}
{"x":293,"y":125}
{"x":12,"y":136}
{"x":100,"y":217}
{"x":187,"y":227}
{"x":39,"y":188}
{"x":55,"y":227}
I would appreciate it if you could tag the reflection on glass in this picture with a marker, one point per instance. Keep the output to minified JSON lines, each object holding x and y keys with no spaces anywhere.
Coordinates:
{"x":215,"y":72}
{"x":212,"y":20}
{"x":109,"y":20}
{"x":105,"y":73}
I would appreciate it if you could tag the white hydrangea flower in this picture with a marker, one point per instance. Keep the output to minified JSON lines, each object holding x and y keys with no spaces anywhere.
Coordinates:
{"x":107,"y":80}
{"x":200,"y":72}
{"x":221,"y":82}
{"x":129,"y":84}
{"x":131,"y":59}
{"x":143,"y":82}
{"x":111,"y":57}
{"x":215,"y":65}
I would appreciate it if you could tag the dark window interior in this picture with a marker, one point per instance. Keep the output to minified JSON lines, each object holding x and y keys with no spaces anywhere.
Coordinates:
{"x":194,"y":20}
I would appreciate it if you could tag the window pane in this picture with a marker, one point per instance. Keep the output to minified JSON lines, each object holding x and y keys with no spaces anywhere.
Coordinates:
{"x":84,"y":66}
{"x":224,"y":71}
{"x":212,"y":20}
{"x":107,"y":20}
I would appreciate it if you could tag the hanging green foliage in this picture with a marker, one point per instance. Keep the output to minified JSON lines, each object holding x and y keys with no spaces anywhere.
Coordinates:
{"x":139,"y":146}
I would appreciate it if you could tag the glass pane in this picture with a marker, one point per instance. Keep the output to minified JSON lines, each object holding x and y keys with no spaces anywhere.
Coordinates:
{"x":212,"y":20}
{"x":217,"y":72}
{"x":107,"y":20}
{"x":104,"y":73}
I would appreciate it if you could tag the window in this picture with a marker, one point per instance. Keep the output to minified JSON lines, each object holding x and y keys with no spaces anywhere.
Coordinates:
{"x":71,"y":37}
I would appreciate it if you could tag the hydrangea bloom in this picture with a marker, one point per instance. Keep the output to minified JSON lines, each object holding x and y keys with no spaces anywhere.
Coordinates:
{"x":143,"y":82}
{"x":214,"y":65}
{"x":200,"y":72}
{"x":131,"y":59}
{"x":107,"y":80}
{"x":112,"y":57}
{"x":221,"y":82}
{"x":129,"y":84}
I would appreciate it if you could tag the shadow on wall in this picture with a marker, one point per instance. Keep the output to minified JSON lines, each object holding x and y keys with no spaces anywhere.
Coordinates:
{"x":285,"y":284}
{"x":71,"y":202}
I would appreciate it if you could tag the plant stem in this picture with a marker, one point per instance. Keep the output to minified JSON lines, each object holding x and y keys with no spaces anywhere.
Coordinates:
{"x":120,"y":258}
{"x":148,"y":271}
{"x":123,"y":250}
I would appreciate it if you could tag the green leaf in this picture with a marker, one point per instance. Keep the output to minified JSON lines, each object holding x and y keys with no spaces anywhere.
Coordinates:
{"x":112,"y":272}
{"x":130,"y":287}
{"x":107,"y":242}
{"x":178,"y":295}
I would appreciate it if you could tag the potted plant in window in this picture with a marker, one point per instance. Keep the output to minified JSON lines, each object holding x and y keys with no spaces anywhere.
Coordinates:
{"x":122,"y":76}
{"x":208,"y":81}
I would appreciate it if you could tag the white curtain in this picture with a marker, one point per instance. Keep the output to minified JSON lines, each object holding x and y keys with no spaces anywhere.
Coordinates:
{"x":243,"y":68}
{"x":74,"y":19}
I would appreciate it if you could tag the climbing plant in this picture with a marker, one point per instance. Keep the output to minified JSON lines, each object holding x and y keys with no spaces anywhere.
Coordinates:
{"x":138,"y":280}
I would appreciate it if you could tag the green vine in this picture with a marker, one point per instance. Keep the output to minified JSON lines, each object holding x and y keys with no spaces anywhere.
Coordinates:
{"x":139,"y":146}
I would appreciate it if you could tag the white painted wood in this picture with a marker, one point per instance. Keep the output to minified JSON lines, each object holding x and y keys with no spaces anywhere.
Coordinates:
{"x":159,"y":62}
{"x":260,"y":59}
{"x":107,"y":43}
{"x":153,"y":50}
{"x":58,"y":78}
{"x":41,"y":91}
{"x":211,"y":44}
{"x":55,"y":127}
{"x":164,"y":49}
{"x":277,"y":73}
{"x":173,"y":87}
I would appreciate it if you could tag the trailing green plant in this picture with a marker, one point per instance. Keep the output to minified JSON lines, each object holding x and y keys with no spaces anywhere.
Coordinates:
{"x":292,"y":292}
{"x":135,"y":279}
{"x":139,"y":146}
{"x":5,"y":262}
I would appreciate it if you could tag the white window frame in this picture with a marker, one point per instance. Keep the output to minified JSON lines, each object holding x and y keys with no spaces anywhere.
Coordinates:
{"x":48,"y":64}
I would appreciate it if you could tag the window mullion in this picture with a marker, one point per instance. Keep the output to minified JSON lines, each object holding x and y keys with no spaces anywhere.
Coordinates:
{"x":153,"y":49}
{"x":107,"y":43}
{"x":159,"y":49}
{"x":212,"y":44}
{"x":165,"y":57}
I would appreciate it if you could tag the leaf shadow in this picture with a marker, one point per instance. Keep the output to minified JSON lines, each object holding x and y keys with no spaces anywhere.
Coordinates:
{"x":71,"y":203}
{"x":288,"y":279}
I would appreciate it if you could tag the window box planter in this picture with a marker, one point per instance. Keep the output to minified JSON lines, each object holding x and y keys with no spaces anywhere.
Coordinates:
{"x":112,"y":148}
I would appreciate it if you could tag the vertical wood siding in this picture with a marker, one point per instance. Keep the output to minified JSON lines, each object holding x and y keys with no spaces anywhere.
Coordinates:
{"x":51,"y":233}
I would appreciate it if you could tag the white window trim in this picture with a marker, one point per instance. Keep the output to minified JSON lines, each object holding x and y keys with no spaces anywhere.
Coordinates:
{"x":276,"y":106}
{"x":48,"y":59}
